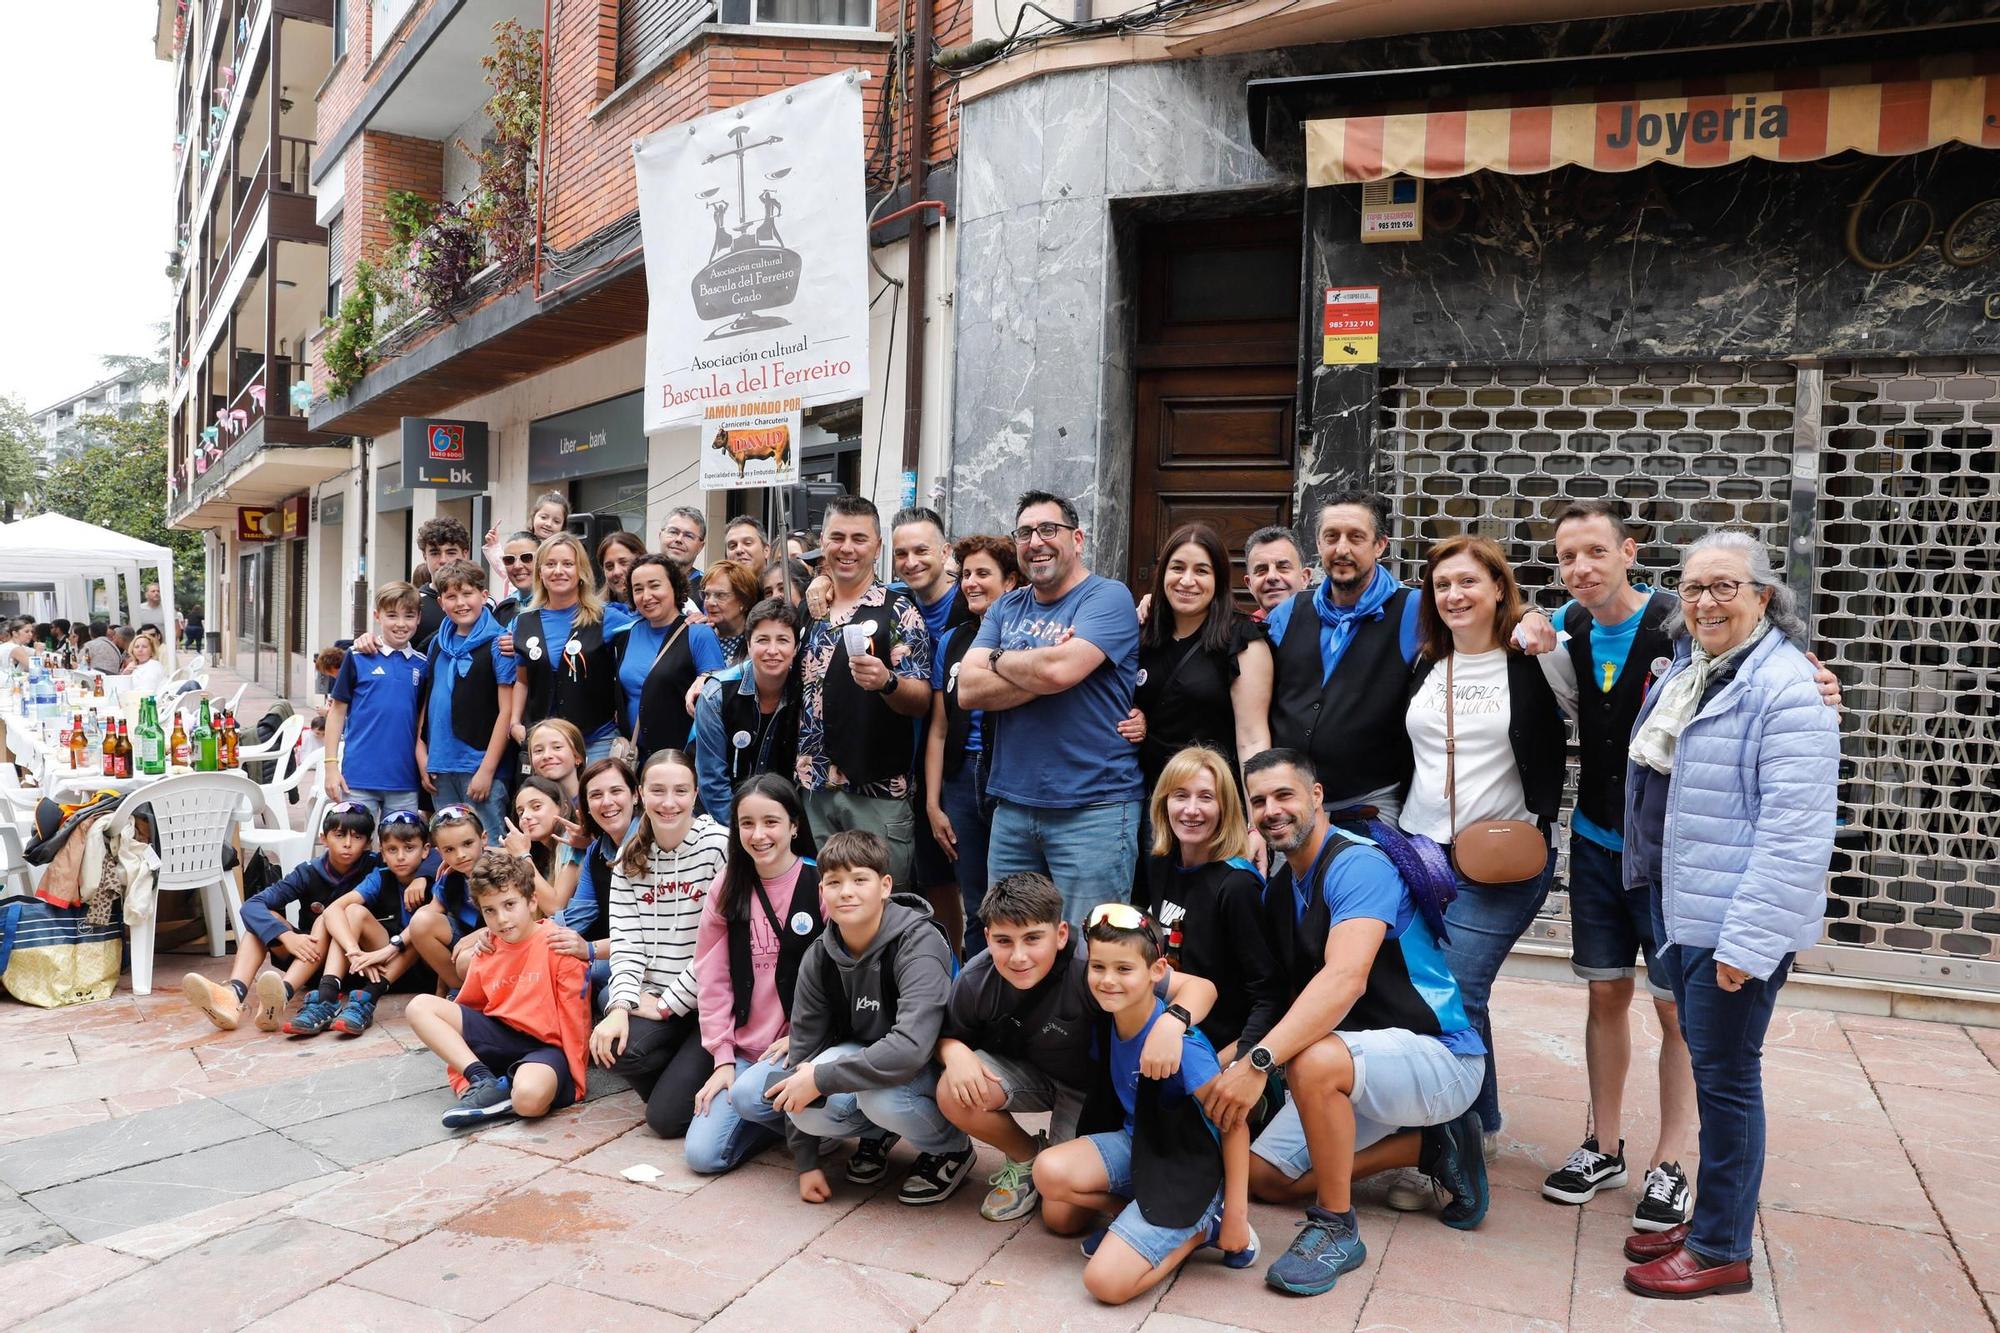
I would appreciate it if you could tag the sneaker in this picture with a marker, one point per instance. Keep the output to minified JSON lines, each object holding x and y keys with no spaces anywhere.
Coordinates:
{"x":1666,"y":1201}
{"x":1090,"y":1243}
{"x":270,"y":992}
{"x":1013,"y":1194}
{"x":1409,"y":1190}
{"x":870,"y":1161}
{"x":1242,"y":1258}
{"x":218,"y":1002}
{"x":937,"y":1177}
{"x":1325,"y":1247}
{"x":314,"y":1016}
{"x":1587,"y":1171}
{"x":1454,"y":1160}
{"x":487,"y":1100}
{"x":357,"y":1014}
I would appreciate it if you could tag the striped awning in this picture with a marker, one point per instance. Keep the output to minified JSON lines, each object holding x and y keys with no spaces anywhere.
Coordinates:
{"x":1791,"y":116}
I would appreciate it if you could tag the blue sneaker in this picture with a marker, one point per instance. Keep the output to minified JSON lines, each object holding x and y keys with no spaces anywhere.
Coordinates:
{"x":357,"y":1012}
{"x":314,"y":1016}
{"x":1090,"y":1243}
{"x":1326,"y":1246}
{"x":488,"y":1100}
{"x":1455,"y":1158}
{"x":1242,"y":1258}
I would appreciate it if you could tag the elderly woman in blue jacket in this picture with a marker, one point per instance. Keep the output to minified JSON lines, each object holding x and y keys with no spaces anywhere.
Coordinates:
{"x":1729,"y":821}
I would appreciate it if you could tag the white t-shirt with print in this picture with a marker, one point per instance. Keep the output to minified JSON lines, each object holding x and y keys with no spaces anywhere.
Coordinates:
{"x":1489,"y":783}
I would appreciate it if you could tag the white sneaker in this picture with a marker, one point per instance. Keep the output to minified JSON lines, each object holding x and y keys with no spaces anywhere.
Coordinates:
{"x":1409,"y":1190}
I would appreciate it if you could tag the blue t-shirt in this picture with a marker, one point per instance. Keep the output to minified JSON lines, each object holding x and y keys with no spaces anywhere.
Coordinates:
{"x":937,"y":612}
{"x":1363,"y":884}
{"x":379,"y":739}
{"x":642,"y":649}
{"x":556,"y":626}
{"x":383,"y":892}
{"x":1198,"y":1065}
{"x":1063,"y":751}
{"x":976,"y":718}
{"x":444,"y":751}
{"x":1610,"y":645}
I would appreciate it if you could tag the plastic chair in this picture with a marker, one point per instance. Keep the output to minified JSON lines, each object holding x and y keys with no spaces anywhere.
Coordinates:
{"x":192,"y":817}
{"x":15,"y":872}
{"x":277,"y":751}
{"x":287,"y":846}
{"x":236,"y":699}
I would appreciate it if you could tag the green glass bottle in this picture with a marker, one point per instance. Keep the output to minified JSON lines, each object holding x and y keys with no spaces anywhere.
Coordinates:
{"x":204,"y":742}
{"x":151,"y":743}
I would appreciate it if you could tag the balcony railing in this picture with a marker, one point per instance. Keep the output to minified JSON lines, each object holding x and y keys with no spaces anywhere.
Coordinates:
{"x":291,"y":166}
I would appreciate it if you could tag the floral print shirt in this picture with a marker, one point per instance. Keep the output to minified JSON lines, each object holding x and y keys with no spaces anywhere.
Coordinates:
{"x":910,"y":659}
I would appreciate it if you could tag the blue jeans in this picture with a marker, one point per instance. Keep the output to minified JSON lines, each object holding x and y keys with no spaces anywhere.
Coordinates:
{"x":910,"y":1110}
{"x":1484,"y":921}
{"x":962,"y":798}
{"x":451,"y":790}
{"x":598,"y":749}
{"x":1724,"y":1031}
{"x":738,"y":1123}
{"x":1089,"y":852}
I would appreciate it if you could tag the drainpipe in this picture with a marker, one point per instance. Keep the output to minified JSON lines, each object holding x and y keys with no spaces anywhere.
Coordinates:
{"x":917,"y":271}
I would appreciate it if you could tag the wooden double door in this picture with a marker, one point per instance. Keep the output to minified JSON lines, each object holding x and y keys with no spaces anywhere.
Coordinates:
{"x":1217,"y":384}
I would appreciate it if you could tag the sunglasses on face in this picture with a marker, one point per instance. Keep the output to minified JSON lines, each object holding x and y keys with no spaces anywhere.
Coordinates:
{"x":527,"y":559}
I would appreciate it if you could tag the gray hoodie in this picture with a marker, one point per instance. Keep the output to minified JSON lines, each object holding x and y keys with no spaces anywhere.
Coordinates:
{"x":897,"y":1036}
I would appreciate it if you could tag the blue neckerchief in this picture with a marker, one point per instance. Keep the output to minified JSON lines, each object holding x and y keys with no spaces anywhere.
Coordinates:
{"x":457,"y":649}
{"x":1337,"y":623}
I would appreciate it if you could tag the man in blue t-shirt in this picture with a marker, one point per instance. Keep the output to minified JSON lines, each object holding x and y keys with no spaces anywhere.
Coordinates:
{"x":1054,"y":668}
{"x":1381,"y":1062}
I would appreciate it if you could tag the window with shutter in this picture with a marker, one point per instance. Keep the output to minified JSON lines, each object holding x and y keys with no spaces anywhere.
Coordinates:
{"x":648,"y":27}
{"x":333,"y":267}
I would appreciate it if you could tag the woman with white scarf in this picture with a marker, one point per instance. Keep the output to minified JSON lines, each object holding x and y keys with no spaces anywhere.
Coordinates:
{"x":1729,"y":823}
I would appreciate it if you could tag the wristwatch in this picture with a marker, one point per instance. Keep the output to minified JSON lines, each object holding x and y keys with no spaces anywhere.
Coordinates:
{"x":993,"y":660}
{"x":397,"y":941}
{"x":890,"y":688}
{"x":1262,"y":1060}
{"x":1176,"y":1011}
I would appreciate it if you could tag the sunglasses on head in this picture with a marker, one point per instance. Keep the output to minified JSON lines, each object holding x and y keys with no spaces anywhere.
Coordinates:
{"x":1119,"y":916}
{"x":452,"y":814}
{"x":340,"y":808}
{"x":399,"y":818}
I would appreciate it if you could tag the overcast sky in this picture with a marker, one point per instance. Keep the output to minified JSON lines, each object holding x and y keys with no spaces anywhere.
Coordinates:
{"x":87,"y":154}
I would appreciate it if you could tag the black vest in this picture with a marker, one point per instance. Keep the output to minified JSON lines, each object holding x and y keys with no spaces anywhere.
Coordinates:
{"x":1352,"y":725}
{"x":506,"y":609}
{"x":792,"y":944}
{"x":475,"y":697}
{"x":957,"y":718}
{"x":1604,"y":720}
{"x":1535,"y":730}
{"x":867,"y":739}
{"x":586,"y":695}
{"x":778,"y":749}
{"x":430,"y":617}
{"x":664,"y":723}
{"x":1389,"y":1000}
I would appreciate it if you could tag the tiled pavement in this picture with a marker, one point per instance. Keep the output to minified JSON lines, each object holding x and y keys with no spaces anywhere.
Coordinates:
{"x":156,"y":1174}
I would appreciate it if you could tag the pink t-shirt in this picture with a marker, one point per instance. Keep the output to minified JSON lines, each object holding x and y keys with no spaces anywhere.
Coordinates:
{"x":719,"y":1033}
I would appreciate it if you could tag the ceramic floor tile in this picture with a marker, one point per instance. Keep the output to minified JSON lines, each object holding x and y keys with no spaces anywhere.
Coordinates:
{"x":1204,"y":1289}
{"x":1034,"y":1284}
{"x":62,"y":1275}
{"x":573,"y":1311}
{"x":1601,"y":1304}
{"x":59,"y":1087}
{"x":160,"y":1239}
{"x":1400,"y":1311}
{"x":832,"y":1296}
{"x":1906,"y":1281}
{"x":343,"y":1309}
{"x":92,"y":1150}
{"x":25,"y":1230}
{"x":1519,"y":1260}
{"x":569,"y":1134}
{"x":1811,"y":1166}
{"x":1930,"y":1062}
{"x":139,"y":1196}
{"x":371,"y":1133}
{"x":400,"y":1198}
{"x":316,"y":1093}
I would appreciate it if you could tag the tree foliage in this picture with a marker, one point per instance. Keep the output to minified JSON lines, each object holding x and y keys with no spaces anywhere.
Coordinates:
{"x":122,"y":485}
{"x":19,"y":443}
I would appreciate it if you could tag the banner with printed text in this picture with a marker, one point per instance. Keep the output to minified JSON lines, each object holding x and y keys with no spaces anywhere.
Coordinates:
{"x":756,"y":234}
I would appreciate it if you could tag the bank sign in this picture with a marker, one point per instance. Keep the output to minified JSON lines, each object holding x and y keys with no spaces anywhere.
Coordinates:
{"x":444,"y":455}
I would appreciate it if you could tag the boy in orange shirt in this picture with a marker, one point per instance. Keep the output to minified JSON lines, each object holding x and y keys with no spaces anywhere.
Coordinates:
{"x":524,"y":1009}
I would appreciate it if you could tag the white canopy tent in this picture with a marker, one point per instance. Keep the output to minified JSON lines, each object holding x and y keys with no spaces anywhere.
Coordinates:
{"x":53,"y":551}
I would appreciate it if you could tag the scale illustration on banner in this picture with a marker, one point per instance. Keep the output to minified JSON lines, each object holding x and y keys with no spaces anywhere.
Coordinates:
{"x":1353,"y":329}
{"x":750,"y":271}
{"x":751,"y":444}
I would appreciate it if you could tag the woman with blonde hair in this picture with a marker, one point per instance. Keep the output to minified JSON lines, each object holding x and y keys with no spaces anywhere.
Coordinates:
{"x":565,"y":648}
{"x":143,"y":664}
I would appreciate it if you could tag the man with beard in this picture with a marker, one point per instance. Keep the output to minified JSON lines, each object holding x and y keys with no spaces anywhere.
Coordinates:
{"x":1379,"y":1057}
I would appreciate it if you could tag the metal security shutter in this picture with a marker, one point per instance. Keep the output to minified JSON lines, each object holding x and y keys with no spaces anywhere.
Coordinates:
{"x":648,"y":27}
{"x":1500,"y":450}
{"x":1906,"y":609}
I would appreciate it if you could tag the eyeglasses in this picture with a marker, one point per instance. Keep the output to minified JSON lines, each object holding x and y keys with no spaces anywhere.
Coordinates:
{"x":1048,"y":532}
{"x":1119,"y":916}
{"x":1722,"y":590}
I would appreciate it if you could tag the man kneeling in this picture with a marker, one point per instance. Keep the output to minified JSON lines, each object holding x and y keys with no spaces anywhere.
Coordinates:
{"x":1379,"y":1057}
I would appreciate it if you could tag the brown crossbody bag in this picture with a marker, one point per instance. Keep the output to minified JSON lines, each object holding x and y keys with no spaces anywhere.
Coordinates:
{"x":1491,"y":851}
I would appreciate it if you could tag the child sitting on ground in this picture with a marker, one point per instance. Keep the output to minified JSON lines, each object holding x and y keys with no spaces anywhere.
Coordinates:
{"x":437,"y":927}
{"x":306,"y":950}
{"x":1020,"y":1034}
{"x":368,"y":924}
{"x":514,"y":1041}
{"x":865,"y":1015}
{"x":1155,"y":1173}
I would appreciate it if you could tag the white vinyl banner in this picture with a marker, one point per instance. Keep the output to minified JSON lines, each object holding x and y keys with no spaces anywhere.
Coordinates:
{"x":756,"y":233}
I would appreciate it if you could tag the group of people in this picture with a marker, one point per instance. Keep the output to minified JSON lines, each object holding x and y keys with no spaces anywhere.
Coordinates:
{"x":813,"y":856}
{"x":108,"y":649}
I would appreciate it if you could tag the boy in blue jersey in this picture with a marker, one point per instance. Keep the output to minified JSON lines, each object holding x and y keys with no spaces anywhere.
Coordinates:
{"x":306,"y":950}
{"x":1380,"y":1059}
{"x":1160,"y":1174}
{"x":374,"y":710}
{"x":468,"y":699}
{"x":368,"y":923}
{"x":436,"y":927}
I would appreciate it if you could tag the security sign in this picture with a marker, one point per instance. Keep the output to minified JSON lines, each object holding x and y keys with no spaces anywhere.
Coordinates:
{"x":1353,"y":328}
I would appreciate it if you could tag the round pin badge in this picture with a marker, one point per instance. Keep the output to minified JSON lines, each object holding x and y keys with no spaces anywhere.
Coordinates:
{"x":741,"y":740}
{"x":802,"y":924}
{"x":573,"y":646}
{"x":534,"y":651}
{"x":1142,"y":676}
{"x":1660,"y":666}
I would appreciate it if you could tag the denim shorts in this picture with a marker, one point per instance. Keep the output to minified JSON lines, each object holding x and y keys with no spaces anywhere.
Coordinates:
{"x":1151,"y":1243}
{"x":1609,"y":923}
{"x":1029,"y":1089}
{"x":381,"y":803}
{"x":1402,"y":1080}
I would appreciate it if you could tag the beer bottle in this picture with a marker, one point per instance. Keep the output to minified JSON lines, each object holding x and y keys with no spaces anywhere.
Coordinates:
{"x":79,"y":742}
{"x":204,"y":741}
{"x":97,"y":685}
{"x":124,"y":749}
{"x":183,"y":752}
{"x":230,"y":742}
{"x":108,"y":752}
